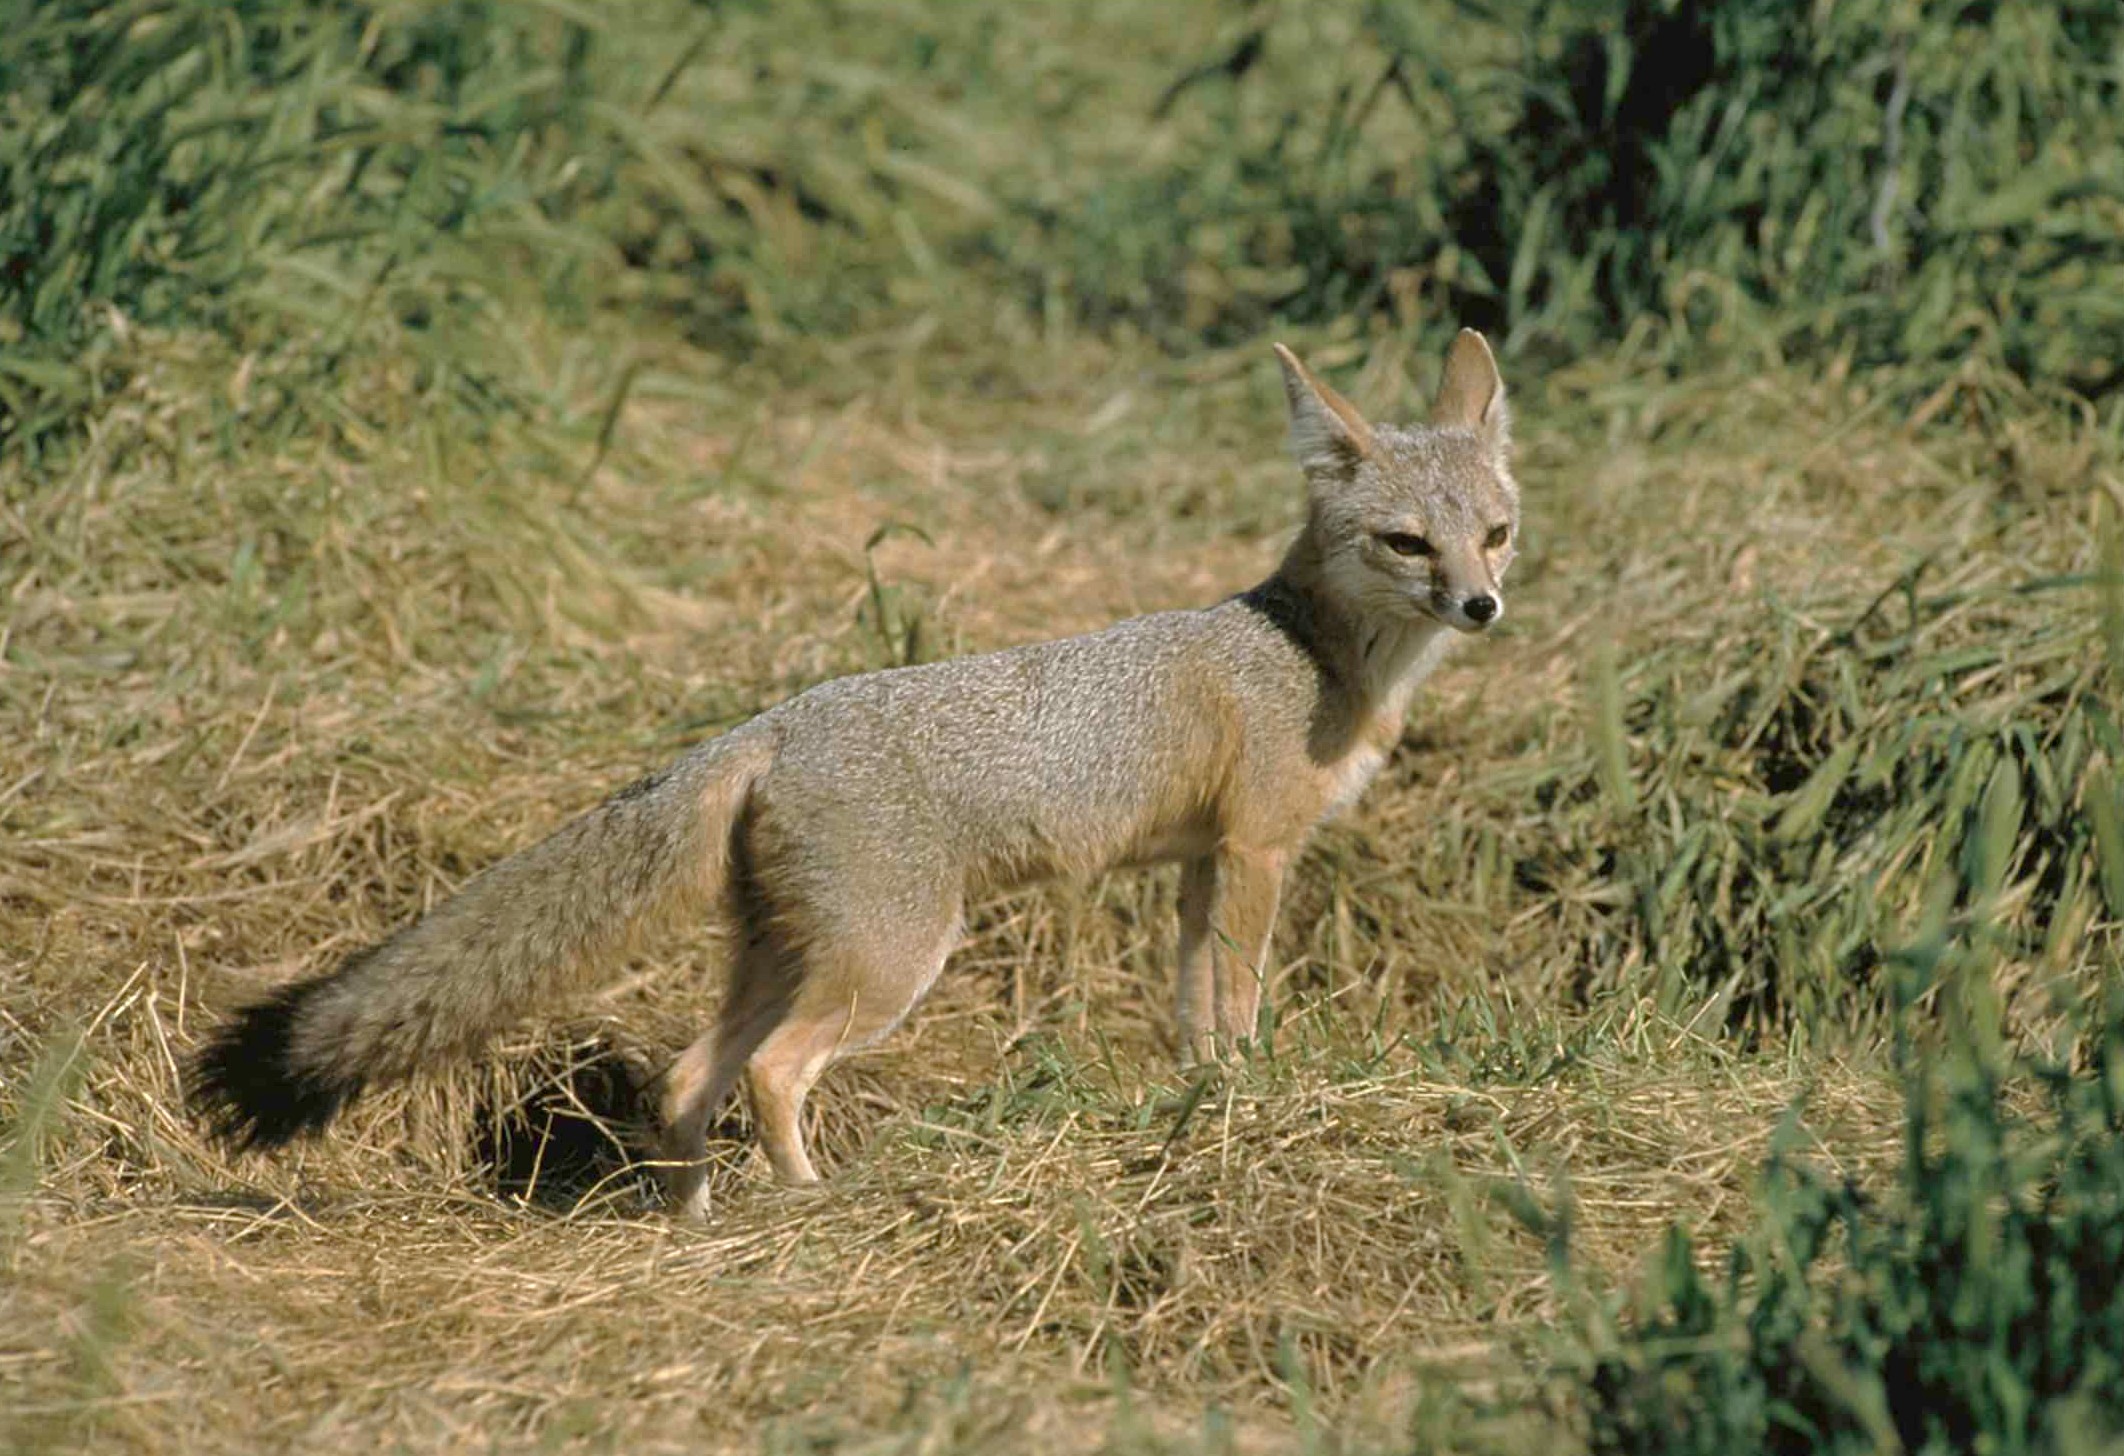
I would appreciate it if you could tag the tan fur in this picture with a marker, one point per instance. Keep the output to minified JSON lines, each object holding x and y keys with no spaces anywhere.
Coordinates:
{"x":533,"y":926}
{"x":844,"y":831}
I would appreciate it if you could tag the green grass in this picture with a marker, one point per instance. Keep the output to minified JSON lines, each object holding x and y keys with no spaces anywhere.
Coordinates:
{"x":312,"y":180}
{"x":1969,"y":1306}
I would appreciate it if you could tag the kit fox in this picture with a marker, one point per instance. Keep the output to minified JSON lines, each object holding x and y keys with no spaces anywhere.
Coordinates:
{"x":841,"y":833}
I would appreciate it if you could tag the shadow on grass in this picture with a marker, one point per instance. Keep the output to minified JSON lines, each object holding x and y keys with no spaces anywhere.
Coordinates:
{"x":569,"y":1125}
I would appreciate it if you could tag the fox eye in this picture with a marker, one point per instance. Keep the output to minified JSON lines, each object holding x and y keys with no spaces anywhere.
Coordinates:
{"x":1497,"y":537}
{"x":1401,"y":543}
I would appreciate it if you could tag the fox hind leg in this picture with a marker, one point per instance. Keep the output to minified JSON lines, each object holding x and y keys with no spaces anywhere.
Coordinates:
{"x":856,"y":987}
{"x":762,"y":984}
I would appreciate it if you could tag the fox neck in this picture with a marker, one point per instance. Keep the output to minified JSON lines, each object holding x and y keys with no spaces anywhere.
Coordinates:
{"x":1378,"y":660}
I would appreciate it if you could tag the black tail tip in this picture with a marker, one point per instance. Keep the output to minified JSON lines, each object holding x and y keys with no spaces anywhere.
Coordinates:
{"x":246,"y":1088}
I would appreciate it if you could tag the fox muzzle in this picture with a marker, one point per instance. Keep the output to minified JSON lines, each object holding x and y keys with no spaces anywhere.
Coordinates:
{"x":1471,"y":614}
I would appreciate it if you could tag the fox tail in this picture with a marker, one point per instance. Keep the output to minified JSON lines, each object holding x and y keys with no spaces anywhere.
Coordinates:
{"x":534,"y":927}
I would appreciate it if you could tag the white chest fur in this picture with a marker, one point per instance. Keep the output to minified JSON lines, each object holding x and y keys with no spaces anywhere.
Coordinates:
{"x":1395,"y":664}
{"x":1398,"y":660}
{"x":1349,"y":777}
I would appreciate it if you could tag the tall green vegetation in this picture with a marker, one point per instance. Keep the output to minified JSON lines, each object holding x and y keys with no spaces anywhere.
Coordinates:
{"x":1975,"y":1304}
{"x":315,"y":183}
{"x":304,"y":179}
{"x":1794,"y":809}
{"x":1914,"y":183}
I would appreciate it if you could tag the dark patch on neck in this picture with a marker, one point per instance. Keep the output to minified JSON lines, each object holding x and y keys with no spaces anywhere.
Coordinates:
{"x":1298,"y":616}
{"x":1295,"y":614}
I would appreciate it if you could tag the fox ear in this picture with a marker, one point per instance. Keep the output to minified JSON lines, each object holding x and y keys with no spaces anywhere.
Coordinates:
{"x":1328,"y":436}
{"x":1471,"y":393}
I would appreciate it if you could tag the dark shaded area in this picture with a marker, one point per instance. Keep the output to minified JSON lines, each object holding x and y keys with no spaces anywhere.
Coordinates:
{"x":1598,"y":157}
{"x":579,"y":1125}
{"x":1803,"y":173}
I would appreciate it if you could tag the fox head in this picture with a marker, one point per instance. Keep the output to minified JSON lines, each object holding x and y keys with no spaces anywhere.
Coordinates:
{"x":1411,"y":521}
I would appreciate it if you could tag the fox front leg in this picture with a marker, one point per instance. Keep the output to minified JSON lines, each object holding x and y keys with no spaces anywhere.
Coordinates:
{"x":1227,"y":913}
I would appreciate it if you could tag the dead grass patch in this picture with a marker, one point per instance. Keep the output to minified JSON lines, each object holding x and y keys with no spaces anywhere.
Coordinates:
{"x":253,"y":713}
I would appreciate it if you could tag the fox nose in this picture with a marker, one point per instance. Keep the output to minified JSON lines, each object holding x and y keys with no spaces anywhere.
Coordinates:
{"x":1480,"y":609}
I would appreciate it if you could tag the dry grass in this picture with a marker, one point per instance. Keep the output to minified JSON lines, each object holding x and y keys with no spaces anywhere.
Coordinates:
{"x":258,"y":705}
